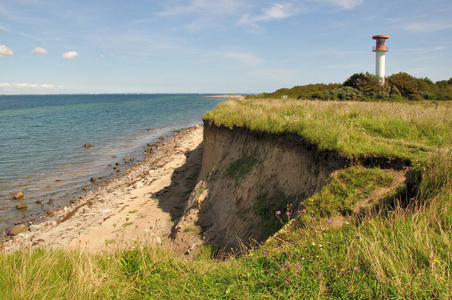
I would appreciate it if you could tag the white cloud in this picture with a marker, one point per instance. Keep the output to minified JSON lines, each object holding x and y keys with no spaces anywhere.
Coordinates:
{"x":426,"y":26}
{"x":203,"y":14}
{"x":345,"y":4}
{"x":39,"y":50}
{"x":5,"y":51}
{"x":28,"y":86}
{"x":276,"y":12}
{"x":102,"y":56}
{"x":246,"y":58}
{"x":216,"y":7}
{"x":69,"y":55}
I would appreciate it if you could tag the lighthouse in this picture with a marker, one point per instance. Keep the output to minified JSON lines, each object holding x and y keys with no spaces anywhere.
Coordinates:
{"x":380,"y":49}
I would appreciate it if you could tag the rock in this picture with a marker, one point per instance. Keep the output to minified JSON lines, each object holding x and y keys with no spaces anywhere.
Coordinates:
{"x":34,"y":228}
{"x":15,"y":230}
{"x":19,"y":195}
{"x":50,"y":201}
{"x":161,"y":138}
{"x":17,"y":222}
{"x":38,"y":201}
{"x":51,"y":212}
{"x":88,"y":145}
{"x":21,"y":205}
{"x":138,"y":185}
{"x":118,"y":163}
{"x":92,"y":179}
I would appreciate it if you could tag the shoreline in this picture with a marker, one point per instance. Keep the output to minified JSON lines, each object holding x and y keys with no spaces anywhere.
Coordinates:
{"x":235,"y":96}
{"x":139,"y":205}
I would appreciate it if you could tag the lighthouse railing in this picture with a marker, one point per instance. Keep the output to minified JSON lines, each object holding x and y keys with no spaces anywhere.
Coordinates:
{"x":380,"y":48}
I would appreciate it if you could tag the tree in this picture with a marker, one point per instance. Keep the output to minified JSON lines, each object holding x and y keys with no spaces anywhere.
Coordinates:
{"x":406,"y":84}
{"x":368,"y":84}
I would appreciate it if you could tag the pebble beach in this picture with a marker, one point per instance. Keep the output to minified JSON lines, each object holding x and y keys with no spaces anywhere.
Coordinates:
{"x":138,"y":206}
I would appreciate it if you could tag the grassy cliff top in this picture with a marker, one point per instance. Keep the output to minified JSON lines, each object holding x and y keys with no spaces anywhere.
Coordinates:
{"x":398,"y":130}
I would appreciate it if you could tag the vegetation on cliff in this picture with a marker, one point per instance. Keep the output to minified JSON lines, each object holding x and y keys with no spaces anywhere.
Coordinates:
{"x":353,"y":129}
{"x":366,"y":87}
{"x":402,"y":250}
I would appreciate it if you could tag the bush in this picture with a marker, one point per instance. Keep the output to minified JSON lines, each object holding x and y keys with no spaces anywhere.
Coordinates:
{"x":346,"y":93}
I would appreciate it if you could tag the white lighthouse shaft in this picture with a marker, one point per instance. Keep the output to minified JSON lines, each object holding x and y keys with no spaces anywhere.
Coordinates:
{"x":380,"y":66}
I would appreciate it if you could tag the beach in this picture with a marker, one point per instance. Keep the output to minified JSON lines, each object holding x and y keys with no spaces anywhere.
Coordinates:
{"x":138,"y":207}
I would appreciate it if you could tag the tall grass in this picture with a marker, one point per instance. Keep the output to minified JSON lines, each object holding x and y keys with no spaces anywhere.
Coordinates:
{"x":61,"y":274}
{"x":352,"y":128}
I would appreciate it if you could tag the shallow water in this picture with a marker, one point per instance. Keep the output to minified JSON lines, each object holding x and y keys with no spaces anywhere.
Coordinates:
{"x":42,"y":141}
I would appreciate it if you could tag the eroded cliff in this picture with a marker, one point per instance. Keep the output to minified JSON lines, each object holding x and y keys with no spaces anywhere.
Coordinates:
{"x":246,"y":177}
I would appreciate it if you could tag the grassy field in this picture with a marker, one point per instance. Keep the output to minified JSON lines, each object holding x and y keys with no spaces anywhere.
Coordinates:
{"x":402,"y":251}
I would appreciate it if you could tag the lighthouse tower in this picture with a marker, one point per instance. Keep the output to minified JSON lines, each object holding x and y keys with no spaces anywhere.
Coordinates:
{"x":380,"y":49}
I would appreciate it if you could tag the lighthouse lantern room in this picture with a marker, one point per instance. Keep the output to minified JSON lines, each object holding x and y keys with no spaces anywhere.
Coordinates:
{"x":380,"y":49}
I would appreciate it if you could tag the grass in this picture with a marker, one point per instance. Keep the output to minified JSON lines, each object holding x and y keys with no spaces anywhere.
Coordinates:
{"x":345,"y":188}
{"x":402,"y":251}
{"x":353,"y":129}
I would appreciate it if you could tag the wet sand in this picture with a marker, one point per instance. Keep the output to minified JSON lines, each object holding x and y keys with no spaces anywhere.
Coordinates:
{"x":139,"y":206}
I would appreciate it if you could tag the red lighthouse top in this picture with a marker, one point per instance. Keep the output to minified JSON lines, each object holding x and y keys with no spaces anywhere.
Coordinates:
{"x":381,"y":43}
{"x":376,"y":37}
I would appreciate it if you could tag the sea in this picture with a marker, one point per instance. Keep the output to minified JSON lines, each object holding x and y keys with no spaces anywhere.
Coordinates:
{"x":42,"y":138}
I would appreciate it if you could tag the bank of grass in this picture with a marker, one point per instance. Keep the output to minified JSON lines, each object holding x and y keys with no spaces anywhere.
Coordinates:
{"x":399,"y":130}
{"x":403,"y":251}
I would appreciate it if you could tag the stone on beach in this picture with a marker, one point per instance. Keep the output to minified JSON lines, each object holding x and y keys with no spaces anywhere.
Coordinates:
{"x":138,"y":185}
{"x":15,"y":230}
{"x":21,"y":205}
{"x":34,"y":228}
{"x":18,"y":195}
{"x":88,"y":145}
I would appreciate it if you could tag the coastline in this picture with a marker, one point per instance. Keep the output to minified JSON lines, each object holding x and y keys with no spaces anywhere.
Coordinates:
{"x":140,"y":205}
{"x":235,"y":96}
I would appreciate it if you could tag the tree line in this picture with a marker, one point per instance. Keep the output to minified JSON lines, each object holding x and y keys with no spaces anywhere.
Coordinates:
{"x":367,"y":87}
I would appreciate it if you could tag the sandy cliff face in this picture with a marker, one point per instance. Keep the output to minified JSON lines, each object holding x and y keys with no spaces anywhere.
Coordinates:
{"x":245,"y":178}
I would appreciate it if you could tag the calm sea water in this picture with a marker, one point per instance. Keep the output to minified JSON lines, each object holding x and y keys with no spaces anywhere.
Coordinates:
{"x":42,"y":141}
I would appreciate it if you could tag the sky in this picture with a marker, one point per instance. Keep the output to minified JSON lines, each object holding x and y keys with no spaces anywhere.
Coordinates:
{"x":214,"y":46}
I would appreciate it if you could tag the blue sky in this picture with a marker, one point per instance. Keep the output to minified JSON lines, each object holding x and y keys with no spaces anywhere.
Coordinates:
{"x":214,"y":46}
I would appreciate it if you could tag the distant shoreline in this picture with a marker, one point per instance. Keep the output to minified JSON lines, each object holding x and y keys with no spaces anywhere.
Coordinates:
{"x":227,"y":96}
